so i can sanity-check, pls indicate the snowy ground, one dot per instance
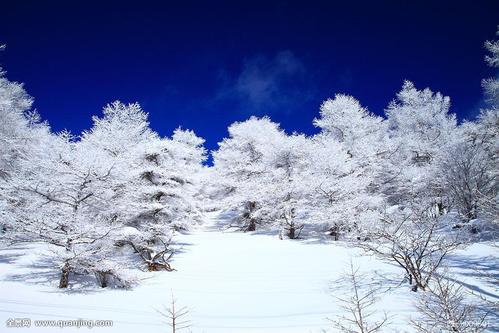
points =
(231, 282)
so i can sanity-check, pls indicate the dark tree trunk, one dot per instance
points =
(63, 282)
(292, 232)
(417, 284)
(470, 209)
(252, 225)
(250, 208)
(101, 279)
(334, 231)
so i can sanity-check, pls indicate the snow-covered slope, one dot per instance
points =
(230, 281)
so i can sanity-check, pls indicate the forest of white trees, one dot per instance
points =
(408, 186)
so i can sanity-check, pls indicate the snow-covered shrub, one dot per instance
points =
(412, 238)
(444, 308)
(359, 305)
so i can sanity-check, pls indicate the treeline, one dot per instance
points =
(361, 168)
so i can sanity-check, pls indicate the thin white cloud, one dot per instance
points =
(267, 84)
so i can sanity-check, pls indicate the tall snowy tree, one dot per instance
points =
(470, 169)
(491, 85)
(20, 127)
(241, 166)
(286, 194)
(21, 132)
(160, 195)
(345, 161)
(421, 130)
(62, 199)
(153, 183)
(360, 132)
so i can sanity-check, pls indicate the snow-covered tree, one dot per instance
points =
(241, 166)
(20, 126)
(49, 190)
(20, 133)
(286, 193)
(361, 133)
(469, 169)
(114, 142)
(153, 183)
(160, 196)
(421, 130)
(491, 85)
(260, 170)
(62, 199)
(345, 159)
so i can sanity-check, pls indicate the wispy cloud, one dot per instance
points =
(268, 84)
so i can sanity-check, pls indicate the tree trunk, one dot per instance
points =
(252, 225)
(250, 208)
(334, 231)
(101, 279)
(63, 282)
(292, 232)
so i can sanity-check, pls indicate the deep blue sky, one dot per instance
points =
(206, 64)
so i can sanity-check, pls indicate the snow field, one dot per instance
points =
(230, 281)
